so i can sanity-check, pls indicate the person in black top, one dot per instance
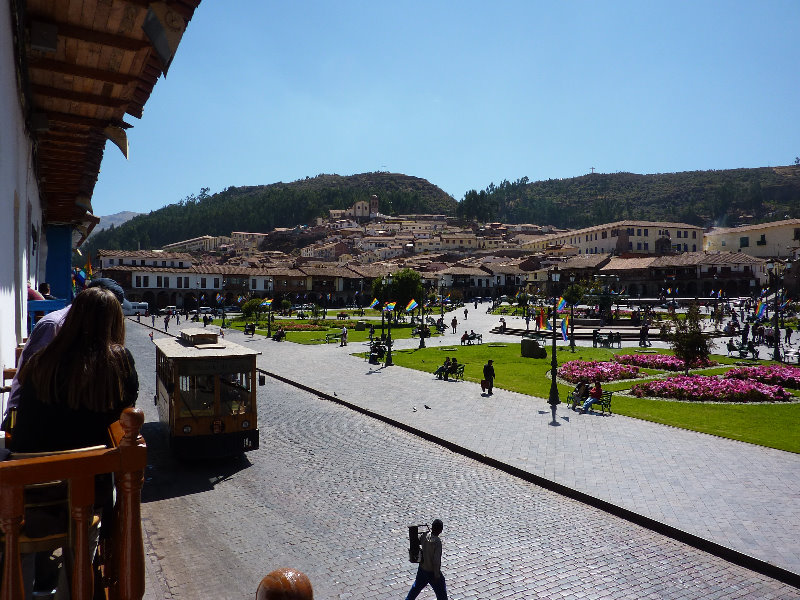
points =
(73, 389)
(488, 376)
(76, 386)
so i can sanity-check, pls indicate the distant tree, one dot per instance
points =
(797, 160)
(688, 341)
(405, 285)
(574, 294)
(251, 307)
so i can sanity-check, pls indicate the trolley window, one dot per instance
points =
(197, 395)
(235, 395)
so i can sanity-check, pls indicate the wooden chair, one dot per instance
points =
(122, 559)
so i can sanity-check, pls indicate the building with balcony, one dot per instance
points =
(778, 239)
(626, 237)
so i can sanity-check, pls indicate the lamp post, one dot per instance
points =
(223, 303)
(388, 362)
(553, 400)
(422, 320)
(269, 308)
(441, 296)
(774, 285)
(572, 318)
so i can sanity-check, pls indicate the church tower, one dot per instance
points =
(373, 205)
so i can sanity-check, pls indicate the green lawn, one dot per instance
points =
(772, 425)
(400, 331)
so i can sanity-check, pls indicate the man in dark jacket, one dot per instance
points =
(488, 376)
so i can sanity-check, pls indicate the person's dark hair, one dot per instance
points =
(44, 288)
(437, 526)
(86, 363)
(110, 285)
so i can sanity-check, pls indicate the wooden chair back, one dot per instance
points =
(123, 559)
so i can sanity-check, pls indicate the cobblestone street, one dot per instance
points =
(331, 492)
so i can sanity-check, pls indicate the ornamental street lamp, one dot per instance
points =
(223, 303)
(774, 286)
(441, 296)
(388, 363)
(269, 308)
(572, 318)
(553, 400)
(422, 320)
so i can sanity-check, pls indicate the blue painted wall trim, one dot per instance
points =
(58, 270)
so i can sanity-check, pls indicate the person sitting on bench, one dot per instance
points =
(441, 372)
(279, 335)
(464, 338)
(453, 368)
(595, 394)
(579, 394)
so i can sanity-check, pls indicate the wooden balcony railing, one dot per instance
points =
(123, 556)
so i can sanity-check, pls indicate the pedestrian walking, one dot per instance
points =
(343, 341)
(429, 571)
(153, 317)
(466, 310)
(454, 324)
(488, 376)
(789, 332)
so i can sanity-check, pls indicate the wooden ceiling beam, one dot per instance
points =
(48, 64)
(62, 94)
(78, 120)
(67, 144)
(94, 37)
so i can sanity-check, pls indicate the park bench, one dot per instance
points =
(459, 373)
(605, 402)
(342, 316)
(475, 339)
(332, 337)
(122, 556)
(250, 329)
(301, 315)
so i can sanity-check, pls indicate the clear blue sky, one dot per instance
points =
(462, 93)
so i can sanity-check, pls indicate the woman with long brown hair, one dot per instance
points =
(76, 386)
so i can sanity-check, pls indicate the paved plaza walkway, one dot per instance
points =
(737, 495)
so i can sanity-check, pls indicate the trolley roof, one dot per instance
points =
(201, 343)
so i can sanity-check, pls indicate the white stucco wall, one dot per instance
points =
(17, 186)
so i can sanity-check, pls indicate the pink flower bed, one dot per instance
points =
(705, 388)
(664, 362)
(770, 374)
(590, 371)
(302, 327)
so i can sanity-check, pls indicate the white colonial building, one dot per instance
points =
(779, 239)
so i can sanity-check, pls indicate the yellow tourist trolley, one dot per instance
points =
(206, 394)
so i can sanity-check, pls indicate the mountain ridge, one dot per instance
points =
(715, 197)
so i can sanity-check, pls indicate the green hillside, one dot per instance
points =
(728, 198)
(262, 208)
(705, 198)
